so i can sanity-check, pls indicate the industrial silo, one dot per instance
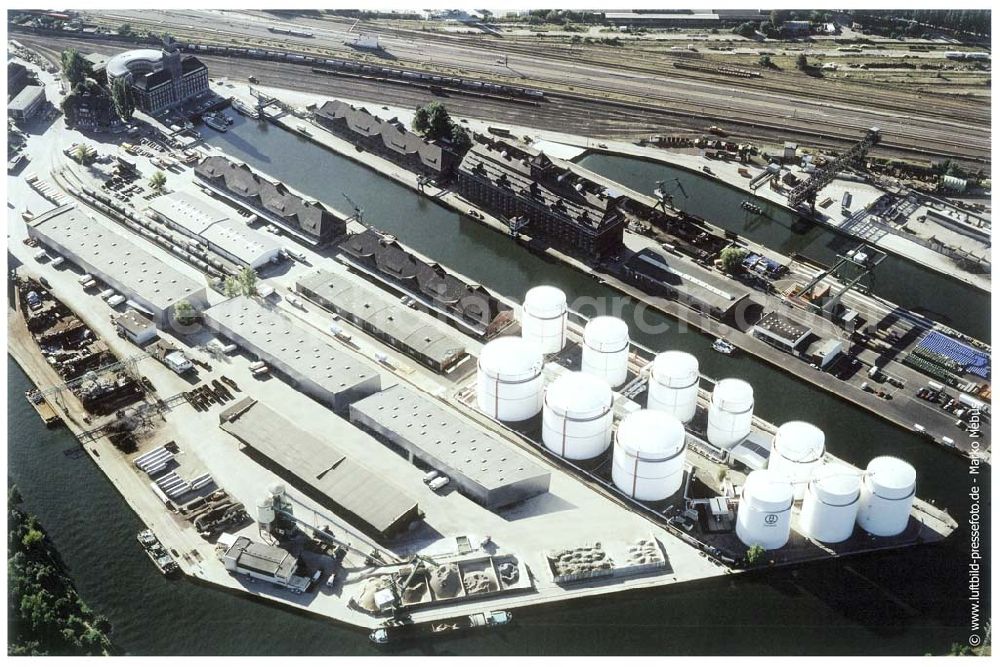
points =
(649, 455)
(543, 318)
(605, 349)
(830, 504)
(509, 379)
(265, 510)
(765, 513)
(673, 384)
(730, 413)
(797, 449)
(887, 490)
(577, 415)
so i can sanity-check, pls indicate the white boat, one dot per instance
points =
(724, 346)
(214, 122)
(242, 107)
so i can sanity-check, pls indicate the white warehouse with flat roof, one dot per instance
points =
(317, 367)
(486, 468)
(204, 220)
(113, 258)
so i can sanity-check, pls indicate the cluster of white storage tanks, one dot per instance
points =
(648, 461)
(835, 499)
(577, 416)
(730, 414)
(673, 385)
(650, 445)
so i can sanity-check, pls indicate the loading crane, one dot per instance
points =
(127, 364)
(855, 270)
(822, 177)
(664, 198)
(358, 211)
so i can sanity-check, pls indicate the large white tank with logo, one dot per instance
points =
(830, 505)
(730, 413)
(649, 455)
(577, 416)
(543, 318)
(887, 490)
(605, 349)
(797, 449)
(765, 513)
(673, 384)
(509, 379)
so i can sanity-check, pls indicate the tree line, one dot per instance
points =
(45, 614)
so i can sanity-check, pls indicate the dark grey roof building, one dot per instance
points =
(324, 471)
(307, 219)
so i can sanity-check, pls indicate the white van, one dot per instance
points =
(107, 294)
(116, 300)
(430, 476)
(439, 483)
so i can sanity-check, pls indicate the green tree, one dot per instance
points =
(732, 259)
(420, 123)
(765, 61)
(247, 279)
(460, 139)
(74, 67)
(125, 29)
(158, 181)
(802, 62)
(231, 287)
(184, 312)
(121, 97)
(745, 30)
(755, 554)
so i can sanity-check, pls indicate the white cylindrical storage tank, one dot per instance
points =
(673, 384)
(649, 455)
(509, 379)
(830, 505)
(265, 510)
(796, 450)
(887, 491)
(605, 349)
(543, 318)
(577, 416)
(730, 413)
(276, 489)
(765, 513)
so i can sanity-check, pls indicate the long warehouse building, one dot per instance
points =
(487, 469)
(215, 228)
(322, 470)
(385, 318)
(314, 364)
(112, 258)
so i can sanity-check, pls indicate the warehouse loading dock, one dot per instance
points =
(320, 469)
(486, 468)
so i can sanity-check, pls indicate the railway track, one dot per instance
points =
(603, 118)
(944, 111)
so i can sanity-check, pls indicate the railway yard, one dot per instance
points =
(305, 407)
(631, 92)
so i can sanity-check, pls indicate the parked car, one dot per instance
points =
(439, 483)
(429, 477)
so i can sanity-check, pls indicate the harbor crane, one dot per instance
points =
(127, 364)
(807, 190)
(358, 211)
(854, 269)
(664, 197)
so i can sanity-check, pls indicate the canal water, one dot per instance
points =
(898, 280)
(909, 602)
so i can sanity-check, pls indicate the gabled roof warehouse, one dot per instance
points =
(328, 475)
(115, 260)
(486, 468)
(314, 363)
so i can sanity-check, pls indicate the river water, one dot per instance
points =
(909, 602)
(962, 306)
